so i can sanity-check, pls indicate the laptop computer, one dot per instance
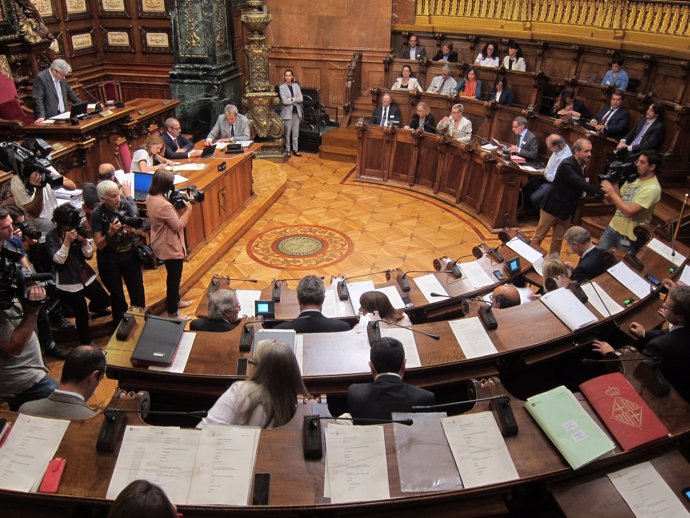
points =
(142, 183)
(208, 151)
(78, 110)
(158, 342)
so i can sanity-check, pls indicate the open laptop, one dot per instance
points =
(208, 151)
(142, 183)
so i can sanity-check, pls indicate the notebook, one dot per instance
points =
(158, 342)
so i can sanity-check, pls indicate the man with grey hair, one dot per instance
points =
(443, 84)
(232, 126)
(526, 145)
(51, 91)
(223, 312)
(559, 150)
(176, 144)
(310, 295)
(106, 171)
(592, 259)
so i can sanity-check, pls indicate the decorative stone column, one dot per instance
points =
(205, 76)
(260, 96)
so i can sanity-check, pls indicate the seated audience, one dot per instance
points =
(471, 86)
(559, 150)
(488, 57)
(149, 157)
(648, 133)
(568, 108)
(455, 125)
(407, 81)
(423, 118)
(526, 144)
(514, 60)
(505, 296)
(592, 261)
(231, 126)
(670, 347)
(387, 393)
(143, 500)
(379, 306)
(310, 296)
(412, 50)
(443, 84)
(176, 144)
(616, 76)
(446, 54)
(82, 371)
(387, 114)
(223, 312)
(501, 93)
(268, 398)
(612, 120)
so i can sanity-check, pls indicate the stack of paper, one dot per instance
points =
(521, 248)
(666, 251)
(628, 278)
(566, 306)
(472, 337)
(429, 284)
(476, 275)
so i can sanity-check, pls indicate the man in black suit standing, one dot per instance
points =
(592, 261)
(561, 201)
(413, 51)
(310, 295)
(176, 144)
(647, 134)
(387, 393)
(526, 144)
(612, 120)
(51, 91)
(671, 347)
(387, 114)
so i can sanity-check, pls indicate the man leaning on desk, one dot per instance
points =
(176, 144)
(51, 91)
(232, 126)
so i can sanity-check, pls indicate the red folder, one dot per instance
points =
(626, 415)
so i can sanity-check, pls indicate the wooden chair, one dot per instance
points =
(110, 91)
(123, 154)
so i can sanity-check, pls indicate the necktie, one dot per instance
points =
(607, 116)
(644, 129)
(440, 90)
(61, 102)
(519, 141)
(384, 117)
(177, 144)
(232, 130)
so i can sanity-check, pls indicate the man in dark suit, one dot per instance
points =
(51, 91)
(223, 312)
(526, 144)
(176, 144)
(592, 261)
(310, 295)
(612, 120)
(387, 114)
(387, 393)
(561, 201)
(671, 347)
(413, 51)
(648, 133)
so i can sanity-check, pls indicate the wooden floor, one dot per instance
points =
(388, 228)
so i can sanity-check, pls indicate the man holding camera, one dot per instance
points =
(116, 229)
(635, 203)
(23, 375)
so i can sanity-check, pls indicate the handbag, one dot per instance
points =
(147, 257)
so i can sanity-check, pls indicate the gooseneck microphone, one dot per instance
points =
(341, 287)
(276, 288)
(216, 277)
(402, 281)
(485, 313)
(374, 330)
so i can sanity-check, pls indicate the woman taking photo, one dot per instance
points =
(268, 398)
(167, 236)
(149, 158)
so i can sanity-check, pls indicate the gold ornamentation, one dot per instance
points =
(220, 24)
(192, 38)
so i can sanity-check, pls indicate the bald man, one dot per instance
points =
(505, 296)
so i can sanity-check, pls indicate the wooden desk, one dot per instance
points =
(147, 116)
(296, 485)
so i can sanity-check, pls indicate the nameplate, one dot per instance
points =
(106, 113)
(142, 112)
(57, 146)
(166, 102)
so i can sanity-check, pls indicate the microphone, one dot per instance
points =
(374, 330)
(341, 287)
(311, 431)
(482, 249)
(434, 294)
(99, 104)
(277, 289)
(246, 338)
(402, 281)
(216, 277)
(485, 314)
(499, 405)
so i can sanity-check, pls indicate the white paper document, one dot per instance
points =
(666, 252)
(406, 337)
(184, 349)
(525, 251)
(392, 293)
(685, 275)
(334, 307)
(628, 278)
(488, 147)
(356, 463)
(246, 298)
(178, 179)
(476, 275)
(189, 167)
(646, 493)
(538, 266)
(601, 300)
(429, 284)
(355, 291)
(29, 448)
(479, 449)
(566, 306)
(472, 337)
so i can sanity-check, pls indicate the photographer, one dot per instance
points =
(634, 202)
(116, 229)
(167, 236)
(69, 248)
(22, 371)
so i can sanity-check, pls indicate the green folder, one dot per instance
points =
(579, 439)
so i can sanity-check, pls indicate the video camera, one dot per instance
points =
(23, 162)
(619, 171)
(189, 193)
(28, 230)
(15, 279)
(125, 219)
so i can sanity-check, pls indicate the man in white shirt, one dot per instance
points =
(559, 151)
(443, 84)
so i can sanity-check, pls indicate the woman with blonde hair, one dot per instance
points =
(555, 269)
(380, 307)
(268, 398)
(149, 157)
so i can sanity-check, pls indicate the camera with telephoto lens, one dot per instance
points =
(190, 194)
(75, 223)
(620, 171)
(16, 279)
(24, 163)
(28, 231)
(125, 219)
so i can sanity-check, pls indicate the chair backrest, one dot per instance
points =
(8, 90)
(123, 155)
(110, 91)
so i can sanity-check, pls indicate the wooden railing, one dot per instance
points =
(353, 86)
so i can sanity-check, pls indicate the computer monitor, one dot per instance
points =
(142, 183)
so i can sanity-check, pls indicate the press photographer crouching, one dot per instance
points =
(117, 231)
(69, 246)
(23, 375)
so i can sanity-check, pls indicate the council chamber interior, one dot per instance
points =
(373, 205)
